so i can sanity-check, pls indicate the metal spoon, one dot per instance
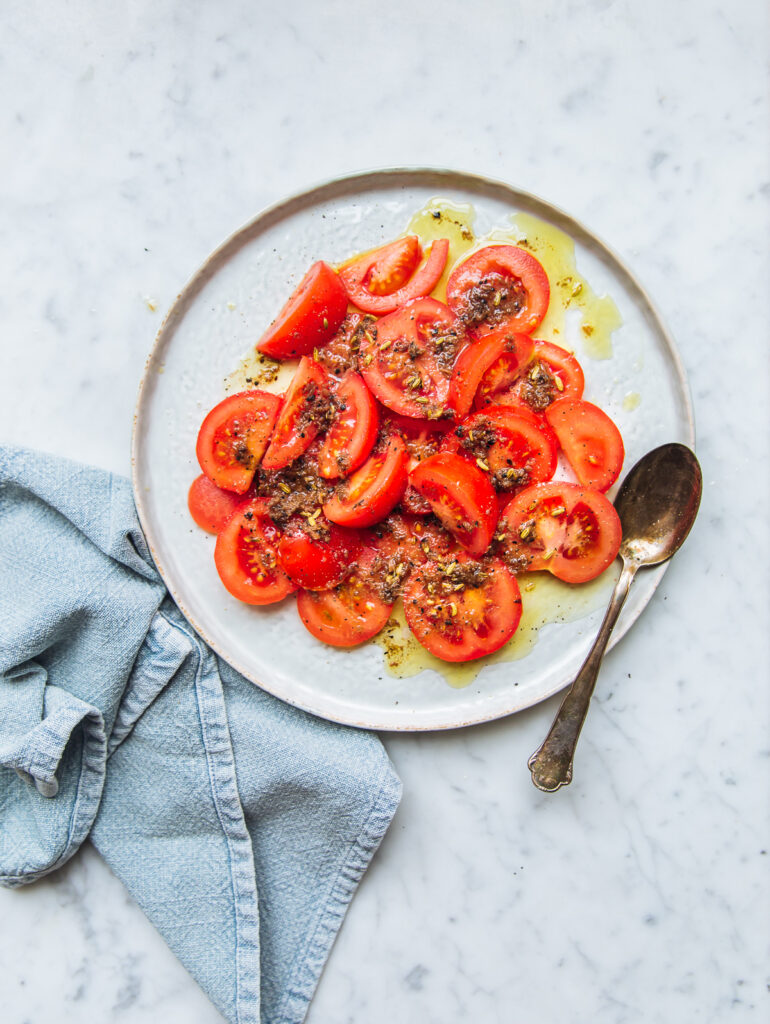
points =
(657, 505)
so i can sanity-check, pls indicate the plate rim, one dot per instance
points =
(320, 192)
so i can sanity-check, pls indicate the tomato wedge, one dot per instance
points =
(351, 613)
(553, 373)
(571, 531)
(234, 436)
(512, 450)
(381, 281)
(476, 617)
(352, 434)
(317, 560)
(373, 490)
(408, 362)
(246, 557)
(310, 317)
(499, 286)
(487, 366)
(591, 441)
(462, 498)
(306, 408)
(209, 505)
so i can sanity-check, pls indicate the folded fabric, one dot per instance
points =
(240, 825)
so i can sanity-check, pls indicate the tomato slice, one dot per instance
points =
(408, 362)
(571, 531)
(512, 450)
(499, 286)
(351, 436)
(317, 555)
(475, 617)
(246, 557)
(307, 406)
(209, 505)
(381, 281)
(591, 441)
(341, 353)
(487, 366)
(462, 498)
(373, 490)
(422, 438)
(351, 613)
(311, 316)
(234, 436)
(553, 373)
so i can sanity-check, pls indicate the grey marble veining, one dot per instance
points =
(134, 139)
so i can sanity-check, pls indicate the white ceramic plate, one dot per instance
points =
(218, 317)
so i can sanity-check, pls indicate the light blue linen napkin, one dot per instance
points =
(240, 825)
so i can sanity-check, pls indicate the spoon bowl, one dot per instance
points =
(657, 505)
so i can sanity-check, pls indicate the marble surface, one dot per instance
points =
(134, 138)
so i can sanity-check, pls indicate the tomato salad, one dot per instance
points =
(412, 455)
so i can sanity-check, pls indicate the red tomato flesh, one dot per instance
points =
(499, 286)
(234, 436)
(552, 374)
(305, 407)
(381, 281)
(571, 531)
(462, 624)
(488, 366)
(310, 317)
(350, 613)
(209, 505)
(351, 436)
(408, 362)
(591, 441)
(373, 490)
(317, 562)
(246, 557)
(462, 498)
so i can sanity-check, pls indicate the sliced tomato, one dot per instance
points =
(373, 490)
(462, 498)
(408, 364)
(499, 286)
(311, 316)
(209, 505)
(422, 438)
(384, 279)
(590, 440)
(246, 557)
(341, 353)
(317, 560)
(353, 432)
(350, 613)
(306, 408)
(487, 366)
(466, 622)
(571, 531)
(512, 450)
(553, 373)
(234, 436)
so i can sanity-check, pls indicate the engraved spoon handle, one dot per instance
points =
(551, 764)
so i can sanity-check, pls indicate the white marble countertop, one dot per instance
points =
(135, 137)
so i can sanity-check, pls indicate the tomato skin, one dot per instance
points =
(233, 438)
(475, 286)
(462, 498)
(415, 385)
(373, 490)
(317, 564)
(569, 530)
(311, 316)
(351, 437)
(349, 614)
(590, 440)
(291, 437)
(520, 454)
(210, 506)
(382, 266)
(487, 366)
(246, 549)
(468, 624)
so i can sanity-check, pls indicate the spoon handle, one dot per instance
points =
(551, 764)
